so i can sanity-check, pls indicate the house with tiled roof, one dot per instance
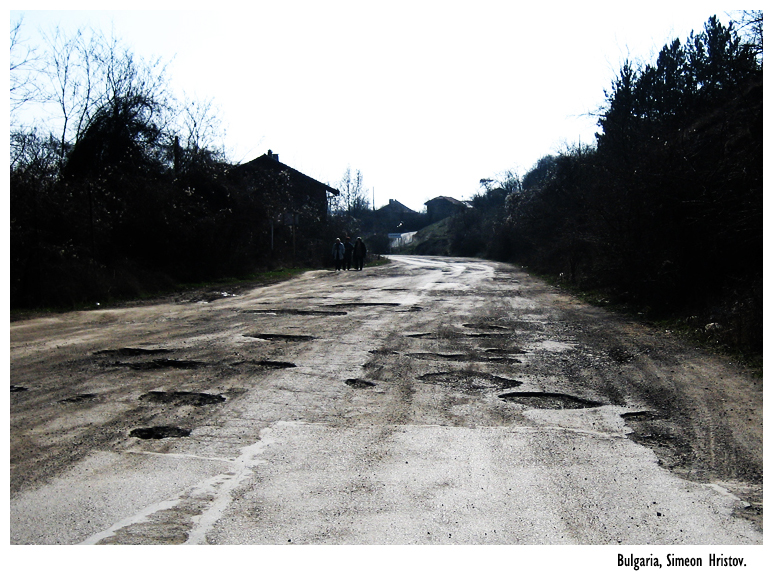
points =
(293, 192)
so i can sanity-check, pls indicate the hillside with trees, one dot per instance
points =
(664, 214)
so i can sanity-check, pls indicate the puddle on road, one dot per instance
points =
(544, 400)
(159, 432)
(279, 337)
(182, 398)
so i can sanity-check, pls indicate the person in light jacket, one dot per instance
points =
(338, 254)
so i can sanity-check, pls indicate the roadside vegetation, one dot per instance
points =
(664, 215)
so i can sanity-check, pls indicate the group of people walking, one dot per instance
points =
(346, 254)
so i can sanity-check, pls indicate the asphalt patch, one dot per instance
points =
(544, 400)
(182, 398)
(159, 432)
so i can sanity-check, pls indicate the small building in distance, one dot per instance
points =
(396, 217)
(442, 207)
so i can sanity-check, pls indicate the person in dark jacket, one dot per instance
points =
(338, 253)
(348, 250)
(359, 253)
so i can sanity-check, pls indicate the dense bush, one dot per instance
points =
(665, 213)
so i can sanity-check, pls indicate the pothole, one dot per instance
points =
(470, 380)
(544, 400)
(159, 432)
(267, 364)
(360, 383)
(279, 337)
(485, 326)
(130, 352)
(80, 398)
(165, 364)
(17, 388)
(482, 335)
(639, 416)
(302, 312)
(505, 360)
(364, 304)
(426, 335)
(182, 398)
(502, 350)
(620, 355)
(430, 355)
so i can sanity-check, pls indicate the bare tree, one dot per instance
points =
(751, 25)
(200, 125)
(353, 197)
(86, 72)
(24, 67)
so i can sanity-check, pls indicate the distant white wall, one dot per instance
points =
(398, 240)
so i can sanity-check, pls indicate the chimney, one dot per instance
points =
(273, 156)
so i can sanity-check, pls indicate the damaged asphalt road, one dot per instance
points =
(427, 401)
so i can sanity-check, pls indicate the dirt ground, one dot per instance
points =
(183, 420)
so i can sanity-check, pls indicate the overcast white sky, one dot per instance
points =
(425, 98)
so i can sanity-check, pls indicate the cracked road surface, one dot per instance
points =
(426, 401)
